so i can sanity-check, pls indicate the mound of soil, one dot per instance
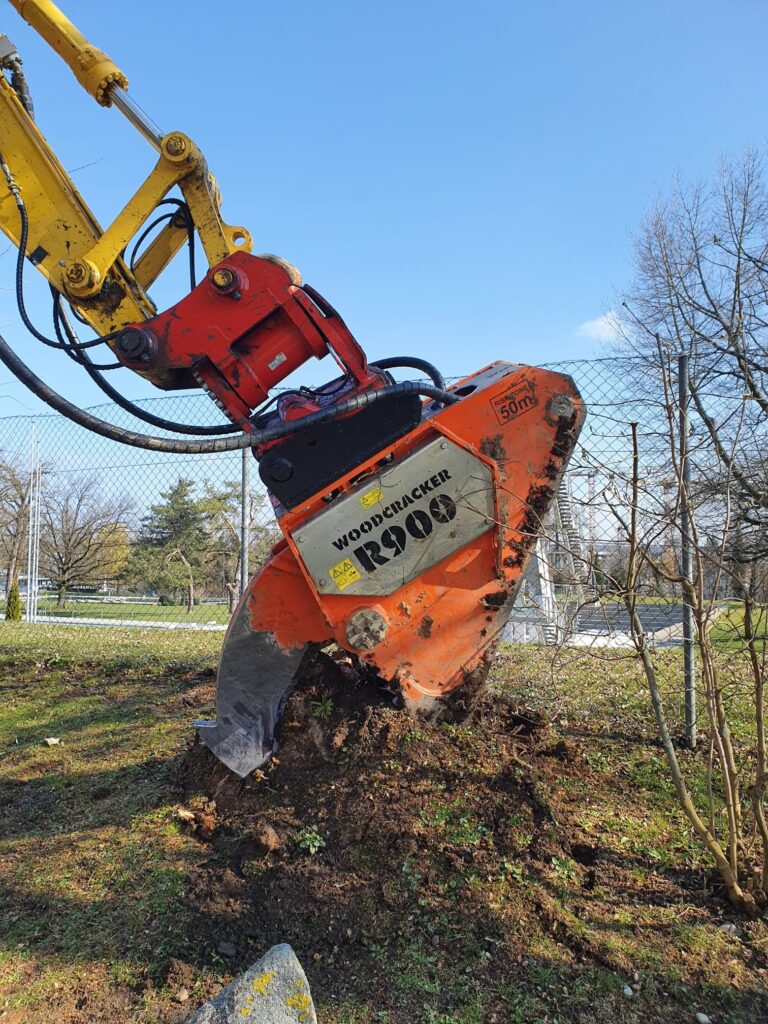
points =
(371, 832)
(430, 873)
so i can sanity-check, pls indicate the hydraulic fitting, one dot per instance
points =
(136, 345)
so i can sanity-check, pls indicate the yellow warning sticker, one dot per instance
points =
(343, 574)
(371, 497)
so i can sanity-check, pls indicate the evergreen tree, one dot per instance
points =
(13, 604)
(177, 521)
(172, 547)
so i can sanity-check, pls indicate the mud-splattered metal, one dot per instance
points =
(518, 425)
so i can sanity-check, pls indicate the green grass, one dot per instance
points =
(96, 872)
(94, 867)
(727, 631)
(45, 646)
(130, 612)
(606, 689)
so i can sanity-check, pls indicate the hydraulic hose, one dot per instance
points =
(20, 256)
(413, 363)
(228, 444)
(136, 410)
(150, 418)
(77, 350)
(71, 346)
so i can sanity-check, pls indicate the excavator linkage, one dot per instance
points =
(411, 561)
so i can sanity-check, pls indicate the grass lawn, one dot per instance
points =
(131, 612)
(508, 877)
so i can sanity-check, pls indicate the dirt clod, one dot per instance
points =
(267, 838)
(200, 815)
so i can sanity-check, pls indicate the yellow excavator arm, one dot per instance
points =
(81, 260)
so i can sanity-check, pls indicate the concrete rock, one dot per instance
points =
(274, 990)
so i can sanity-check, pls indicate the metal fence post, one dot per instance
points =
(30, 528)
(33, 531)
(685, 536)
(36, 538)
(245, 531)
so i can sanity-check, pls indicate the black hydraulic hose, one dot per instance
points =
(71, 346)
(183, 209)
(76, 350)
(228, 444)
(23, 237)
(136, 410)
(413, 363)
(150, 418)
(148, 230)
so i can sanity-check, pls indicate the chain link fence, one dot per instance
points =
(127, 536)
(99, 533)
(651, 456)
(570, 593)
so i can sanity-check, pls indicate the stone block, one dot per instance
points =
(274, 990)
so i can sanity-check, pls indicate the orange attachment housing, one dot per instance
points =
(411, 561)
(520, 423)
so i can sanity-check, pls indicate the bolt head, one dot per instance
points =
(562, 406)
(176, 145)
(223, 279)
(443, 444)
(136, 345)
(281, 470)
(76, 273)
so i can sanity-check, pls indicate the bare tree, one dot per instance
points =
(701, 287)
(83, 536)
(14, 519)
(728, 814)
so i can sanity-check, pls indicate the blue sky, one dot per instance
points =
(460, 180)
